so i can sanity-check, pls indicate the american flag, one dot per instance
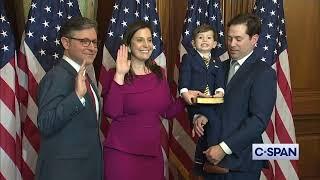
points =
(10, 125)
(199, 12)
(40, 49)
(125, 12)
(272, 46)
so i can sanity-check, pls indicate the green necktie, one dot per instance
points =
(232, 69)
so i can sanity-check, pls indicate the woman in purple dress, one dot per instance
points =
(136, 95)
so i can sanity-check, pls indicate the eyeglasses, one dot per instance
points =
(86, 42)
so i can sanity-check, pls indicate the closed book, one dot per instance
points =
(207, 100)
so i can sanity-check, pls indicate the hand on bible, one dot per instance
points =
(187, 96)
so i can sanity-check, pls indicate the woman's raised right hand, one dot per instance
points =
(122, 63)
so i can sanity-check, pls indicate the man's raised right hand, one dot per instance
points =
(80, 81)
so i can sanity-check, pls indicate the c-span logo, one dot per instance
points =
(275, 151)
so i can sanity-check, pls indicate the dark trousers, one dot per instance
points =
(213, 127)
(199, 157)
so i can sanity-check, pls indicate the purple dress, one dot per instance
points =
(132, 149)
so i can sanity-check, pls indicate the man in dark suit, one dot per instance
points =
(248, 103)
(69, 111)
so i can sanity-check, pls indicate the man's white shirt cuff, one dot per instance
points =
(225, 148)
(219, 90)
(183, 90)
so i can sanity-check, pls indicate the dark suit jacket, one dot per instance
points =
(194, 75)
(70, 146)
(248, 103)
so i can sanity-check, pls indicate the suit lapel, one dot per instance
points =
(63, 63)
(227, 67)
(198, 60)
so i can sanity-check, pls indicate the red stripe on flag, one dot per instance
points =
(295, 165)
(268, 172)
(180, 152)
(22, 63)
(8, 144)
(8, 97)
(32, 86)
(281, 130)
(32, 133)
(2, 177)
(22, 95)
(284, 86)
(278, 172)
(27, 174)
(270, 131)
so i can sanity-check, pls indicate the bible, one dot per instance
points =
(207, 100)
